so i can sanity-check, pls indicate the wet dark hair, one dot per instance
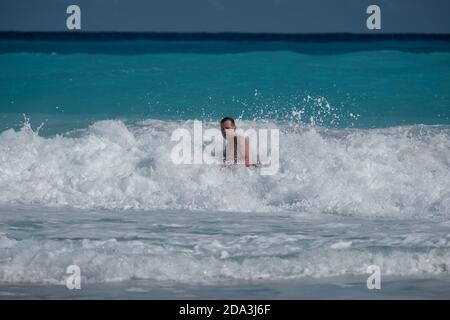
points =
(228, 119)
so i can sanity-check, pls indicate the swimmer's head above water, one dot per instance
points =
(227, 127)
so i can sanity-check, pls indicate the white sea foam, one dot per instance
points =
(398, 172)
(45, 261)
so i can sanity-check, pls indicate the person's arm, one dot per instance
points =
(244, 149)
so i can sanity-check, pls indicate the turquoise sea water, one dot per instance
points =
(86, 179)
(400, 84)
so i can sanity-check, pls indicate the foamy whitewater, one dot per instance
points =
(319, 216)
(393, 172)
(86, 177)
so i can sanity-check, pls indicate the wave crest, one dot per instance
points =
(398, 171)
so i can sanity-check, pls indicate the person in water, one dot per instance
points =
(235, 143)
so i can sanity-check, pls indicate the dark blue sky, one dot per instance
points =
(285, 16)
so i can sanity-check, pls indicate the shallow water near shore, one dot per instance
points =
(335, 288)
(176, 254)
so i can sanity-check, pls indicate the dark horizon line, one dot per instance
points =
(221, 36)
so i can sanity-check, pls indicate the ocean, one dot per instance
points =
(86, 176)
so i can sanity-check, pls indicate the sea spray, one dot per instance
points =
(398, 171)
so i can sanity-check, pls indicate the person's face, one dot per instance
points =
(227, 128)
